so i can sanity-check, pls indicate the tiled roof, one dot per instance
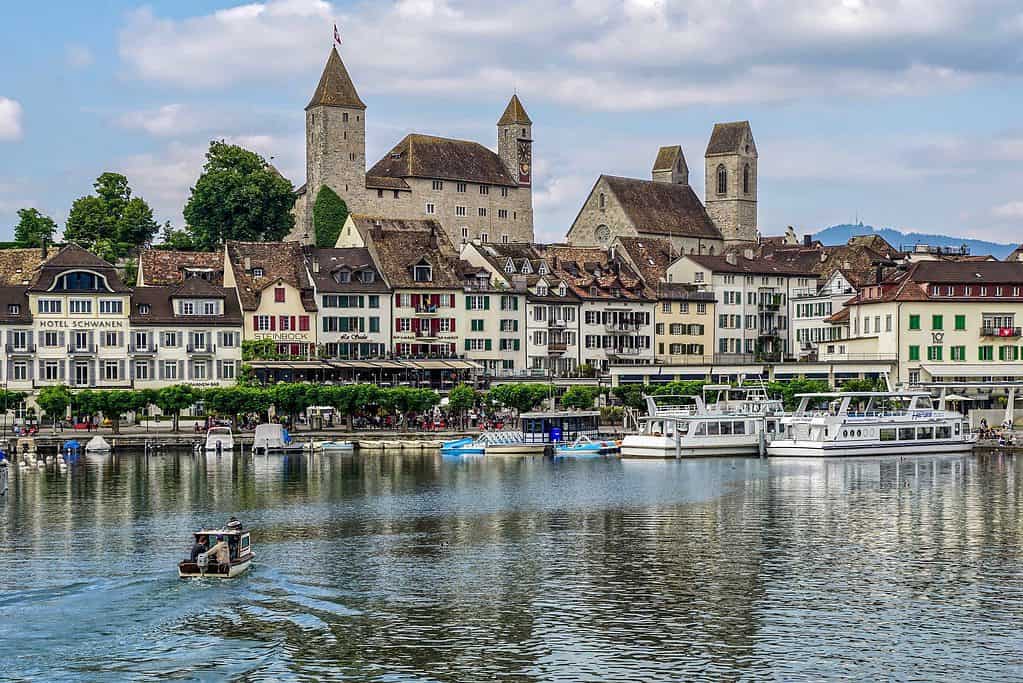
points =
(651, 256)
(353, 259)
(164, 267)
(667, 157)
(335, 88)
(375, 182)
(675, 291)
(161, 308)
(662, 208)
(726, 137)
(756, 266)
(514, 113)
(197, 287)
(586, 268)
(427, 156)
(19, 266)
(968, 272)
(72, 257)
(400, 244)
(280, 261)
(14, 296)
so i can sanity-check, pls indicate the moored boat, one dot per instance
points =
(97, 444)
(464, 446)
(219, 553)
(274, 438)
(219, 440)
(871, 423)
(585, 447)
(336, 446)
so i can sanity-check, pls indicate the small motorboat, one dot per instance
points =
(219, 440)
(463, 446)
(336, 446)
(274, 438)
(97, 444)
(219, 553)
(585, 447)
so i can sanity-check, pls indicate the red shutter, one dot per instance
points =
(415, 324)
(293, 325)
(452, 322)
(397, 299)
(415, 301)
(435, 300)
(255, 323)
(272, 325)
(303, 323)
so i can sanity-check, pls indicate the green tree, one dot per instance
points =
(862, 385)
(349, 399)
(54, 401)
(114, 404)
(175, 240)
(292, 398)
(800, 385)
(110, 221)
(238, 196)
(329, 215)
(173, 399)
(237, 400)
(631, 395)
(521, 397)
(581, 397)
(260, 349)
(460, 399)
(33, 228)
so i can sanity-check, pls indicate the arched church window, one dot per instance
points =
(603, 200)
(722, 179)
(745, 179)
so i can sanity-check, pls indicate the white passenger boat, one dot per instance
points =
(725, 420)
(871, 423)
(219, 439)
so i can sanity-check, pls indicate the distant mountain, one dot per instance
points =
(840, 234)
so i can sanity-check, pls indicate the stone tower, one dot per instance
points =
(515, 147)
(335, 140)
(731, 182)
(670, 166)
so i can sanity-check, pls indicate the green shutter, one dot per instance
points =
(960, 322)
(467, 300)
(486, 303)
(466, 344)
(515, 303)
(914, 353)
(486, 344)
(516, 345)
(937, 322)
(914, 322)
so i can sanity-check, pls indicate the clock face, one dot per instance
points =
(525, 161)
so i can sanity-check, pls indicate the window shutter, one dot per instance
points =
(273, 323)
(120, 339)
(362, 324)
(220, 369)
(466, 344)
(486, 344)
(516, 344)
(120, 370)
(60, 339)
(181, 370)
(293, 326)
(397, 300)
(468, 299)
(415, 324)
(452, 322)
(415, 301)
(486, 303)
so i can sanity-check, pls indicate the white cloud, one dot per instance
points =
(600, 54)
(78, 56)
(1009, 210)
(10, 119)
(168, 120)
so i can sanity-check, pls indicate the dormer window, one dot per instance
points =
(143, 309)
(542, 268)
(187, 308)
(344, 276)
(509, 266)
(422, 272)
(615, 292)
(257, 272)
(13, 309)
(541, 290)
(368, 276)
(594, 291)
(78, 281)
(561, 290)
(526, 268)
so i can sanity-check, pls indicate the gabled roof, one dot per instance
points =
(675, 291)
(335, 88)
(586, 268)
(280, 262)
(720, 264)
(198, 288)
(726, 138)
(160, 298)
(662, 208)
(667, 157)
(332, 260)
(164, 267)
(428, 156)
(72, 257)
(400, 244)
(650, 255)
(514, 113)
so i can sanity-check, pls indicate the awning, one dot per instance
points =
(975, 370)
(738, 370)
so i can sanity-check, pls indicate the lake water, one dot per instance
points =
(422, 568)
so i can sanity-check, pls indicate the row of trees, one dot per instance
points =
(238, 196)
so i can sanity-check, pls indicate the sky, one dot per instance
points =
(901, 113)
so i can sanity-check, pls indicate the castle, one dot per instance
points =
(472, 192)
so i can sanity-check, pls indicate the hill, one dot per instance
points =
(840, 234)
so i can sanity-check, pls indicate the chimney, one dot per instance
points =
(806, 240)
(879, 273)
(730, 258)
(43, 251)
(247, 264)
(316, 265)
(518, 283)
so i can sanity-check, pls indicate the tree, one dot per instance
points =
(238, 196)
(33, 228)
(520, 397)
(292, 398)
(114, 404)
(175, 240)
(461, 399)
(173, 399)
(233, 401)
(800, 385)
(54, 401)
(111, 222)
(580, 397)
(329, 215)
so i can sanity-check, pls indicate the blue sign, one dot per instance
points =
(555, 433)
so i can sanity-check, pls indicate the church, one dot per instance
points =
(473, 192)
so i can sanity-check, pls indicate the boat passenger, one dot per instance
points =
(199, 547)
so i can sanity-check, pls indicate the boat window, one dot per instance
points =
(713, 429)
(726, 428)
(859, 433)
(957, 429)
(906, 434)
(739, 428)
(781, 428)
(845, 433)
(700, 429)
(245, 541)
(888, 434)
(925, 433)
(943, 432)
(770, 426)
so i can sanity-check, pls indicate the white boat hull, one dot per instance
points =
(640, 446)
(817, 449)
(516, 449)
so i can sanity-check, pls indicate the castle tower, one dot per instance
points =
(515, 148)
(335, 139)
(731, 181)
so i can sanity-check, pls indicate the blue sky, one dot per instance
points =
(904, 112)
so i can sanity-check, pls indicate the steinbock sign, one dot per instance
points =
(284, 336)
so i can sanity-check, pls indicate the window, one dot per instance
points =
(438, 184)
(460, 187)
(80, 306)
(701, 308)
(504, 238)
(49, 305)
(958, 353)
(257, 272)
(171, 339)
(380, 194)
(465, 234)
(482, 211)
(914, 322)
(374, 301)
(51, 370)
(143, 309)
(279, 295)
(476, 325)
(1008, 353)
(110, 339)
(960, 322)
(227, 370)
(460, 211)
(51, 339)
(502, 213)
(603, 200)
(914, 353)
(187, 308)
(111, 306)
(199, 371)
(937, 322)
(484, 189)
(484, 237)
(396, 195)
(698, 276)
(110, 370)
(933, 353)
(430, 208)
(985, 353)
(887, 433)
(142, 370)
(19, 370)
(262, 323)
(423, 273)
(209, 308)
(888, 323)
(374, 324)
(722, 179)
(745, 179)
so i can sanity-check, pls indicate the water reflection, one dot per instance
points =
(417, 567)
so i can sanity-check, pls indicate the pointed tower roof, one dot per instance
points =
(514, 113)
(335, 88)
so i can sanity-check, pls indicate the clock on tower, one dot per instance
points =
(525, 162)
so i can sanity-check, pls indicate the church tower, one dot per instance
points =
(731, 182)
(335, 140)
(515, 148)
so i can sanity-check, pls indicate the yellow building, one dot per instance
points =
(683, 325)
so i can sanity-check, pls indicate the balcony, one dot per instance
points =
(771, 303)
(622, 327)
(769, 332)
(1001, 332)
(559, 324)
(142, 349)
(81, 349)
(426, 310)
(202, 349)
(21, 348)
(625, 351)
(425, 334)
(556, 348)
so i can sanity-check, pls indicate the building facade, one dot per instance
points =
(354, 303)
(684, 321)
(813, 308)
